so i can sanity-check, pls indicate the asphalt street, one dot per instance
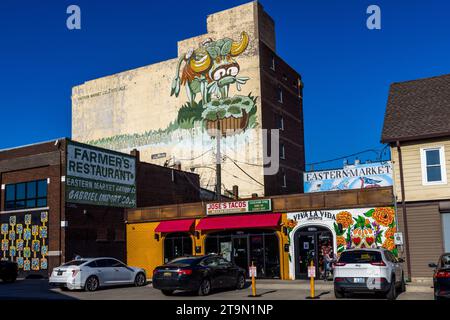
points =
(39, 289)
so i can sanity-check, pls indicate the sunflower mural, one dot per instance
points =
(290, 225)
(209, 72)
(375, 228)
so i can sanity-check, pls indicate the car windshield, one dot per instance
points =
(445, 261)
(74, 263)
(360, 256)
(189, 261)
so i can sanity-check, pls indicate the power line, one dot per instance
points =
(248, 175)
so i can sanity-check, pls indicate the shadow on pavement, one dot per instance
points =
(30, 289)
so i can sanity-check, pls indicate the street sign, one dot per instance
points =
(311, 272)
(252, 271)
(398, 239)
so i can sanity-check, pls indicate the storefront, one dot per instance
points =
(315, 233)
(273, 234)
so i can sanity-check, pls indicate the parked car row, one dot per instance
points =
(356, 271)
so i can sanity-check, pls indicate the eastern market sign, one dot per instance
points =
(100, 177)
(243, 206)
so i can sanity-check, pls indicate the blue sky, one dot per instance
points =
(346, 68)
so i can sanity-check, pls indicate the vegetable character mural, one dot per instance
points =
(210, 71)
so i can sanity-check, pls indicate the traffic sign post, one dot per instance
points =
(312, 275)
(252, 273)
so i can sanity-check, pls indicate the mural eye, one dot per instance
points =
(219, 73)
(232, 71)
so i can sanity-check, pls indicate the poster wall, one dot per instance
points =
(100, 177)
(368, 175)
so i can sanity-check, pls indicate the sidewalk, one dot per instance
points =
(327, 285)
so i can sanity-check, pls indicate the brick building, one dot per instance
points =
(232, 76)
(41, 227)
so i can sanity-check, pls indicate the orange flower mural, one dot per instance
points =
(390, 232)
(340, 240)
(389, 244)
(384, 216)
(345, 219)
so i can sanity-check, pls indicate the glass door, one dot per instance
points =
(240, 252)
(306, 251)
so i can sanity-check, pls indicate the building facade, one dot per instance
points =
(230, 79)
(60, 199)
(279, 234)
(417, 128)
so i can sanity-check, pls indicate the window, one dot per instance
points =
(280, 122)
(26, 195)
(283, 173)
(282, 151)
(433, 166)
(280, 94)
(285, 78)
(272, 65)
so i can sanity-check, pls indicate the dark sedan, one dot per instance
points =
(199, 274)
(8, 271)
(441, 277)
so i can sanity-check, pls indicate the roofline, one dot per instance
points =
(32, 144)
(413, 138)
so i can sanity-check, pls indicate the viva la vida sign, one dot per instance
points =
(100, 177)
(243, 206)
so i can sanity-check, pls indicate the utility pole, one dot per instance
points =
(218, 163)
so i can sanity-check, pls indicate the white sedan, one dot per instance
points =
(92, 273)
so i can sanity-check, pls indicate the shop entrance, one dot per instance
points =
(243, 247)
(177, 245)
(311, 243)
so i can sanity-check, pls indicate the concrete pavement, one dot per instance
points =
(267, 289)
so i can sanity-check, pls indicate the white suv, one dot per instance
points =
(368, 270)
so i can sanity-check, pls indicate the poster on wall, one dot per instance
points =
(361, 176)
(100, 177)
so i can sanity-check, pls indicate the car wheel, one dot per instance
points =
(91, 284)
(392, 293)
(205, 288)
(240, 282)
(338, 294)
(167, 292)
(140, 280)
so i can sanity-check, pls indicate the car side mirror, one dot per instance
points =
(432, 265)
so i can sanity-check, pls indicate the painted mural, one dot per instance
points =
(209, 71)
(361, 176)
(207, 74)
(24, 241)
(351, 228)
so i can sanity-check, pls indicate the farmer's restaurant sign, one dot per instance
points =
(99, 177)
(239, 206)
(361, 176)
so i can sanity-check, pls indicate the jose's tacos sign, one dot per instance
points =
(100, 177)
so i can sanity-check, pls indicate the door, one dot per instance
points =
(306, 251)
(257, 254)
(105, 272)
(240, 252)
(122, 274)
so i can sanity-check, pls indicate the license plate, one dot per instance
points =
(358, 280)
(167, 274)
